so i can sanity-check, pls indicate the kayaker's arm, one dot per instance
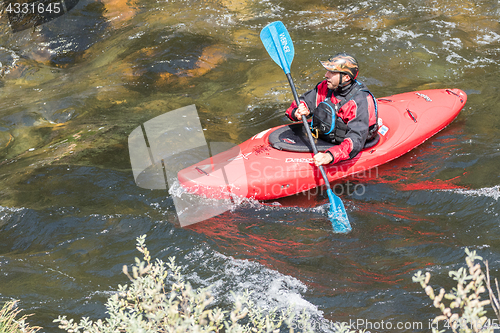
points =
(341, 152)
(309, 99)
(292, 114)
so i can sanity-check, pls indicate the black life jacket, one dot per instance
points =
(330, 126)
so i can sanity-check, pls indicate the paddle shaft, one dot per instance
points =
(279, 45)
(308, 131)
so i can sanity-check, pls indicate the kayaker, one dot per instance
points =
(355, 107)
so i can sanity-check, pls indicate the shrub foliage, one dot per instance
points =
(463, 308)
(9, 323)
(158, 299)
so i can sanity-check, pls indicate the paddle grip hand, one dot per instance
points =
(322, 158)
(302, 110)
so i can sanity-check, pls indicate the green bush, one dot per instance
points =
(158, 299)
(464, 312)
(9, 323)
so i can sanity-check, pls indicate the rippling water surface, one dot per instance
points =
(72, 90)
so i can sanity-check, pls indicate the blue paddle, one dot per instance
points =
(279, 45)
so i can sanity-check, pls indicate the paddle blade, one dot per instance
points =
(337, 214)
(278, 44)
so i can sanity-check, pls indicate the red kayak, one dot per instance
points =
(278, 162)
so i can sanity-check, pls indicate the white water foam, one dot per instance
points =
(6, 213)
(398, 34)
(492, 192)
(8, 60)
(489, 37)
(269, 288)
(236, 202)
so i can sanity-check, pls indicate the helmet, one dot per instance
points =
(342, 63)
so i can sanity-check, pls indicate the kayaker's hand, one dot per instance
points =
(301, 110)
(322, 158)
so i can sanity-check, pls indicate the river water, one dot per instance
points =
(73, 89)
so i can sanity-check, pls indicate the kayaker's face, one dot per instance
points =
(333, 79)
